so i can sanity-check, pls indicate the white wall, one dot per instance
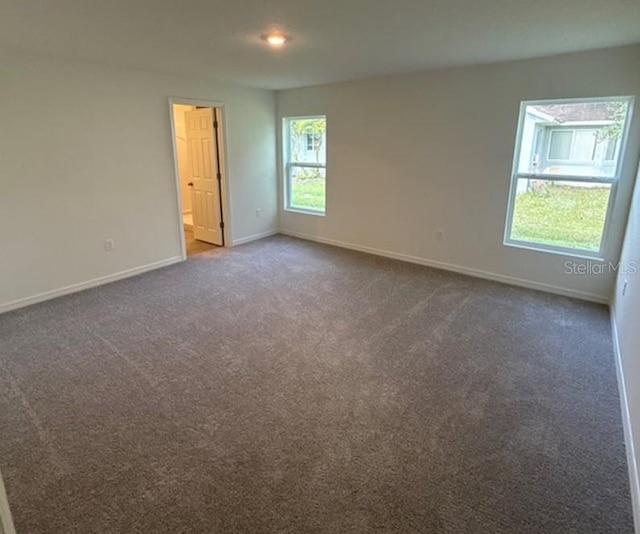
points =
(409, 154)
(626, 318)
(86, 154)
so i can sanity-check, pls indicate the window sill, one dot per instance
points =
(302, 211)
(580, 254)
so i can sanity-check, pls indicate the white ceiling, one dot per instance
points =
(333, 40)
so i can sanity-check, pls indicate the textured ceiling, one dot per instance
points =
(333, 40)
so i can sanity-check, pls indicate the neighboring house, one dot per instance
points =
(307, 147)
(568, 140)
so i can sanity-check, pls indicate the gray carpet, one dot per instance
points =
(285, 386)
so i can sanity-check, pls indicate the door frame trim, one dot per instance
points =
(6, 521)
(226, 189)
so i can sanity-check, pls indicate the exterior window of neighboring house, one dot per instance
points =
(305, 159)
(573, 145)
(565, 174)
(313, 140)
(612, 145)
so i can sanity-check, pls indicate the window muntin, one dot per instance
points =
(305, 164)
(566, 167)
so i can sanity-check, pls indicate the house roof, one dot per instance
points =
(579, 112)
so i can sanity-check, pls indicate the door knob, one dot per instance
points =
(190, 184)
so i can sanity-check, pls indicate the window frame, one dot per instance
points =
(613, 180)
(288, 166)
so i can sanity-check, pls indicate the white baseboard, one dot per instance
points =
(6, 521)
(591, 297)
(634, 476)
(41, 297)
(254, 237)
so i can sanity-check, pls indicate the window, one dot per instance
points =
(573, 145)
(612, 145)
(305, 164)
(560, 144)
(313, 140)
(566, 170)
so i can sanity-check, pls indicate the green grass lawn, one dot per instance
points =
(308, 194)
(561, 215)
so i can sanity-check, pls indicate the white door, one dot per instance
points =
(205, 196)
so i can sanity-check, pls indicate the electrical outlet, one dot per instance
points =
(109, 245)
(440, 234)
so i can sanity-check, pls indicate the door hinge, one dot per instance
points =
(215, 124)
(219, 176)
(222, 225)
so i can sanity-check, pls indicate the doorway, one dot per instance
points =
(200, 177)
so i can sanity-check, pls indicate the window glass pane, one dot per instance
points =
(308, 188)
(584, 145)
(572, 138)
(562, 214)
(612, 144)
(560, 145)
(307, 140)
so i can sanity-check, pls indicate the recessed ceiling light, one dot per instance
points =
(276, 40)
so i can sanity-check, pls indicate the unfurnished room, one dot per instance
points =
(275, 266)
